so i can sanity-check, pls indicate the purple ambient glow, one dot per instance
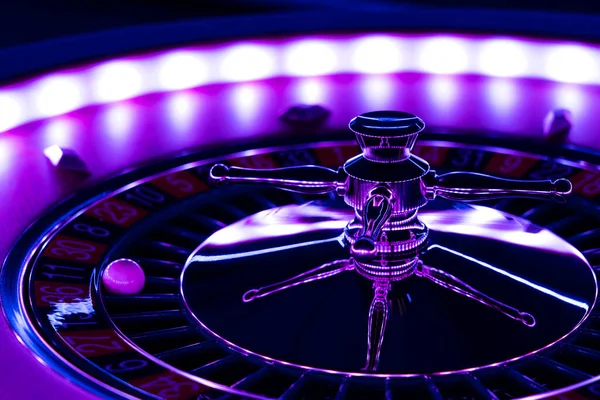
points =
(123, 276)
(176, 69)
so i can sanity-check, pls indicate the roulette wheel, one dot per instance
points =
(186, 214)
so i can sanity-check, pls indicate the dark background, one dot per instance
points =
(26, 21)
(38, 36)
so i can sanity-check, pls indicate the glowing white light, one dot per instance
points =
(182, 70)
(116, 81)
(7, 153)
(247, 62)
(503, 58)
(571, 97)
(443, 92)
(378, 90)
(54, 153)
(59, 131)
(245, 96)
(56, 95)
(573, 64)
(173, 70)
(309, 58)
(310, 91)
(12, 110)
(232, 237)
(62, 310)
(246, 101)
(118, 120)
(517, 278)
(182, 109)
(443, 56)
(501, 94)
(377, 54)
(203, 258)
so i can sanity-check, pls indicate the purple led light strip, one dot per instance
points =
(163, 71)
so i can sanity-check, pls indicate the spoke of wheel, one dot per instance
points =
(451, 282)
(321, 272)
(378, 315)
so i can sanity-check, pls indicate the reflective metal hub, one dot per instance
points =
(386, 186)
(429, 329)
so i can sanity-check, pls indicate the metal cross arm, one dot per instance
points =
(386, 186)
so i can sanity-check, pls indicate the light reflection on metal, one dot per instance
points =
(519, 279)
(321, 272)
(282, 221)
(451, 282)
(386, 186)
(82, 306)
(221, 257)
(305, 179)
(314, 215)
(66, 159)
(172, 368)
(377, 320)
(473, 220)
(493, 224)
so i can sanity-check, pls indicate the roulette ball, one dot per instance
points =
(376, 200)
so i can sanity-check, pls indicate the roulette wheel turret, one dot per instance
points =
(384, 238)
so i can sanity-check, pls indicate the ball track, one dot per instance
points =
(157, 322)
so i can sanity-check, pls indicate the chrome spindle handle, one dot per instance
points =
(451, 282)
(376, 212)
(470, 186)
(321, 272)
(305, 179)
(378, 316)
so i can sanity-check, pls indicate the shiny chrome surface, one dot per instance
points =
(308, 179)
(386, 137)
(503, 261)
(470, 186)
(376, 213)
(398, 184)
(386, 164)
(451, 282)
(321, 272)
(379, 314)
